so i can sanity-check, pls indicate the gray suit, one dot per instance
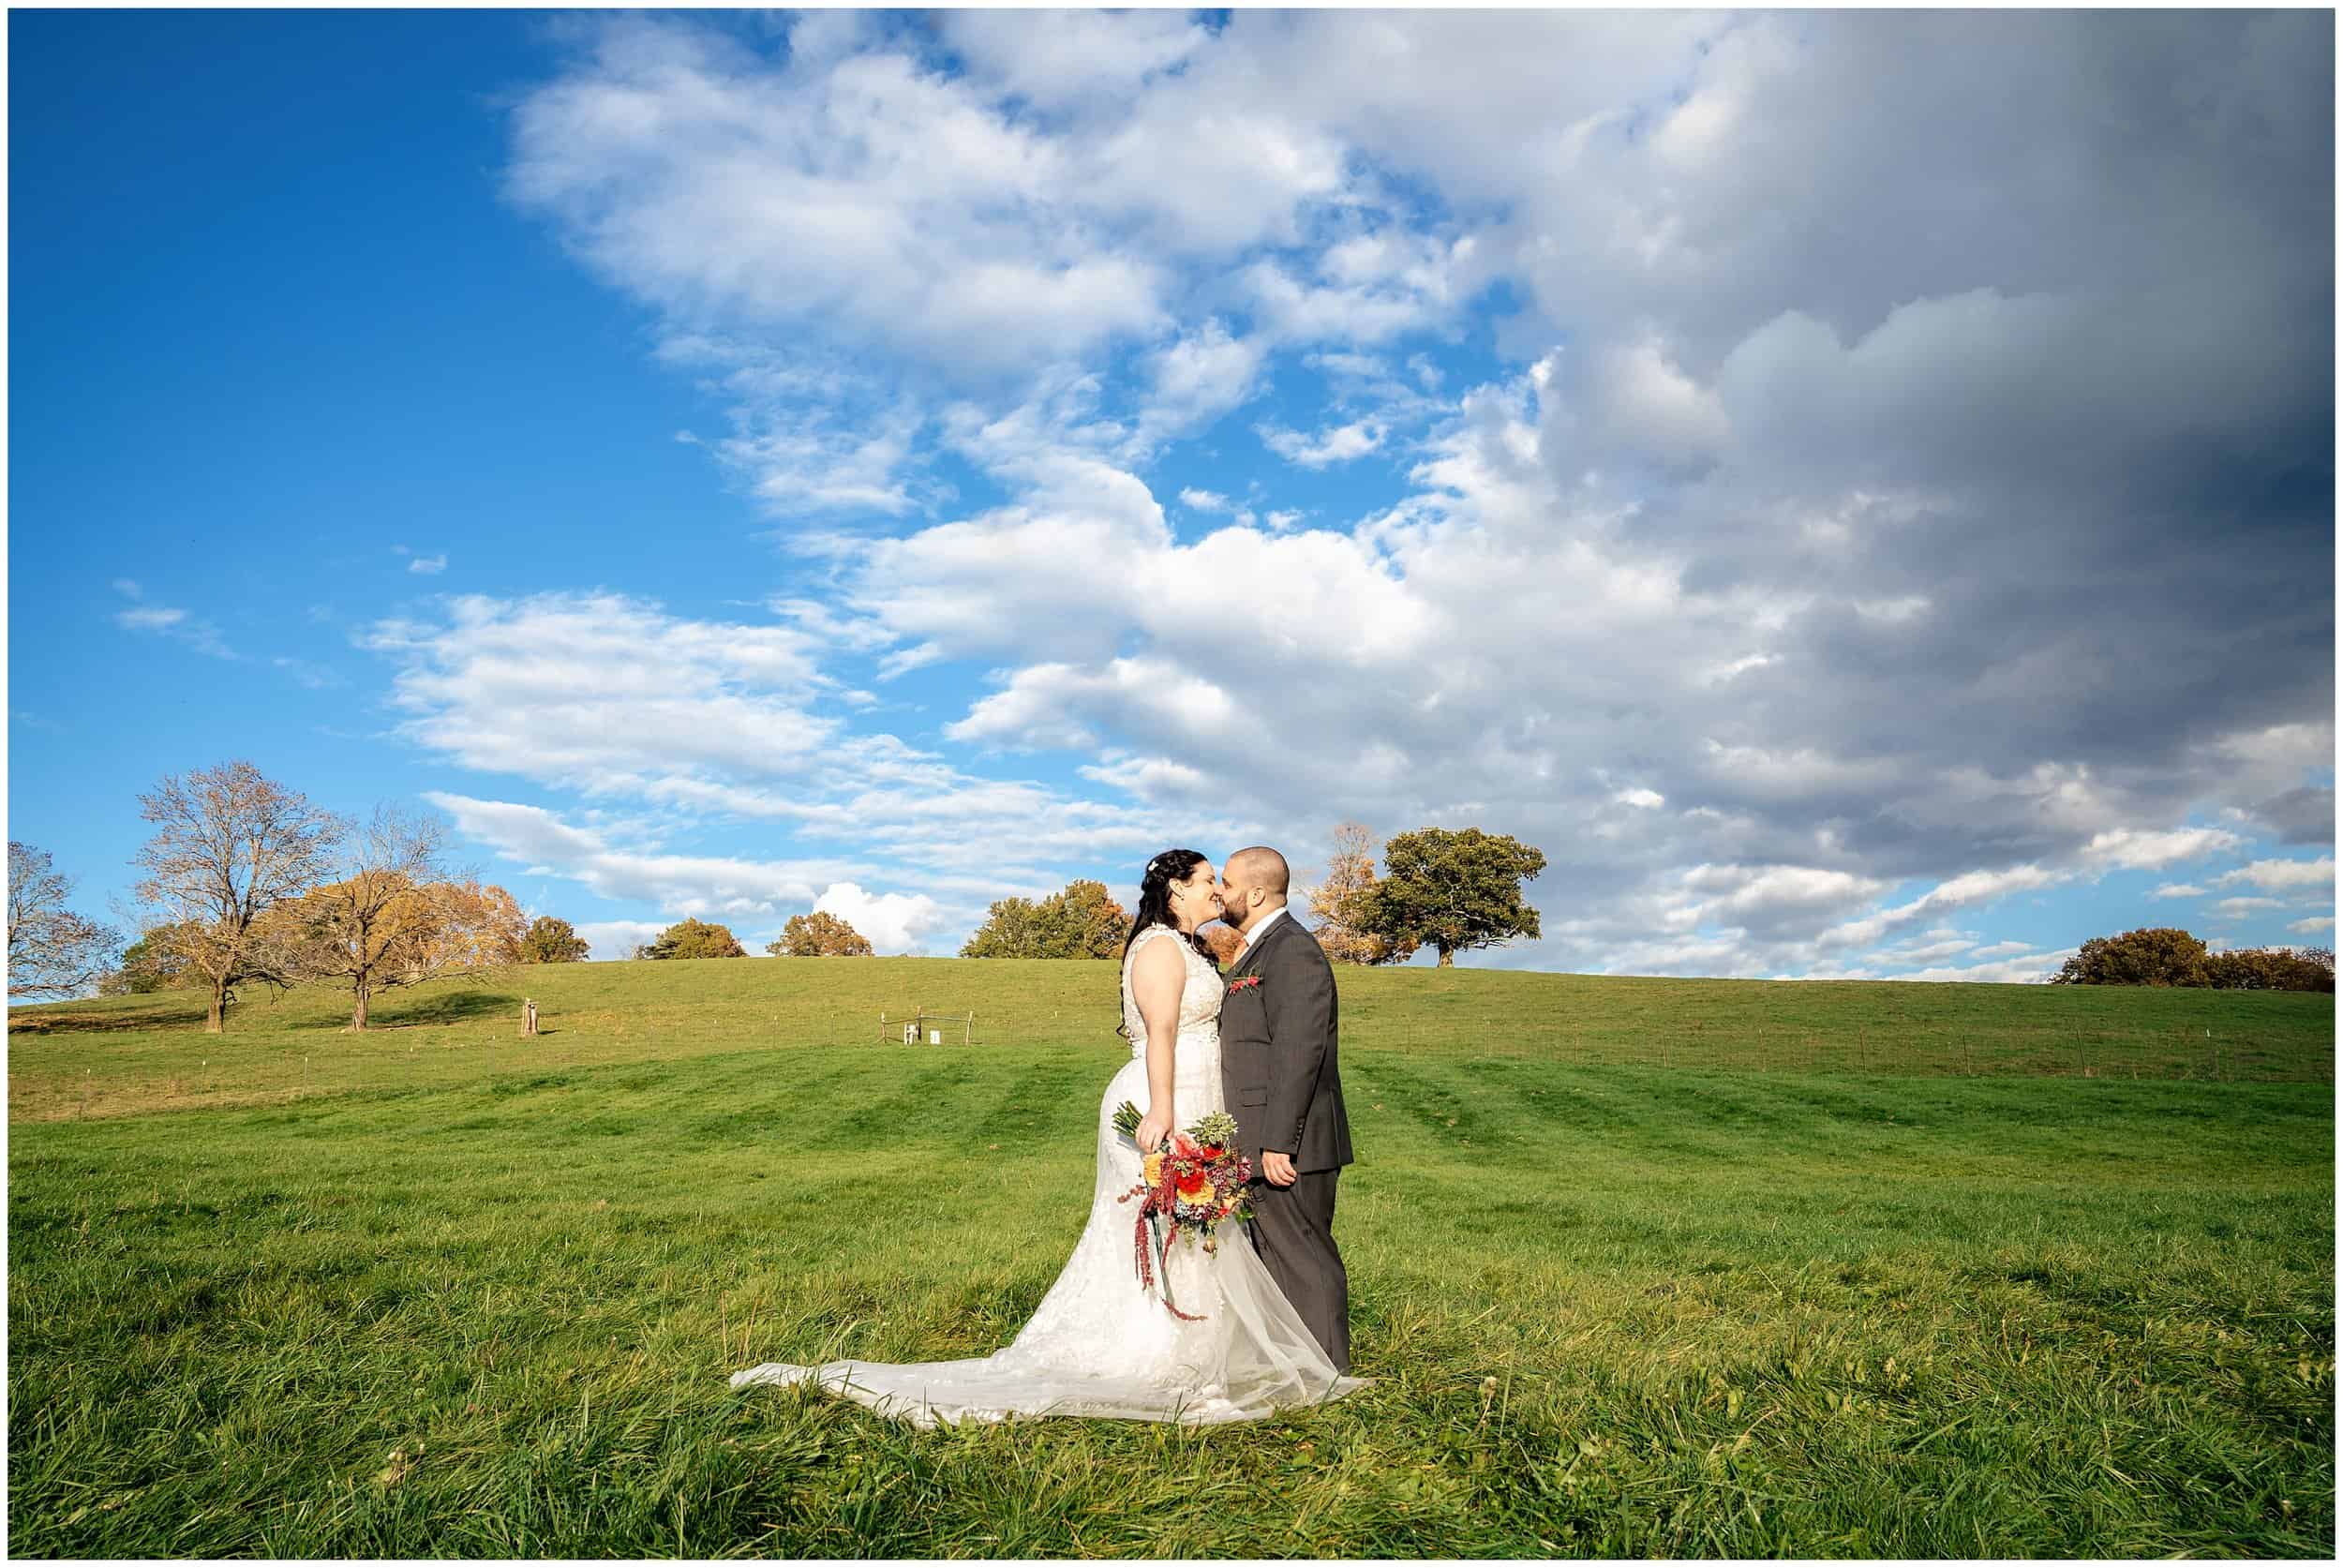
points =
(1282, 1081)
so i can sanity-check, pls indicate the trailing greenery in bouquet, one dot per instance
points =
(1192, 1186)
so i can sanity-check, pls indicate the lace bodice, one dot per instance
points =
(1200, 999)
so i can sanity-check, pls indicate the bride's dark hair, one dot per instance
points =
(1155, 904)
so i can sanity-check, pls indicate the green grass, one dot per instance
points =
(135, 1054)
(1617, 1300)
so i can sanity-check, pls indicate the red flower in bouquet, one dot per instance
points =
(1194, 1184)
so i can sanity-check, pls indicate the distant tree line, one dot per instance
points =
(818, 934)
(2166, 955)
(1450, 890)
(245, 881)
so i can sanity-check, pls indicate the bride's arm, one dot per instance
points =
(1157, 978)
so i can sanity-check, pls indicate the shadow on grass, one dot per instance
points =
(455, 1007)
(420, 1013)
(113, 1021)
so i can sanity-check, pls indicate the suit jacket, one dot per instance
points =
(1279, 1070)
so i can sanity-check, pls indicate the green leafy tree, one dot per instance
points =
(1011, 929)
(1084, 921)
(551, 939)
(693, 938)
(1450, 890)
(155, 962)
(1081, 920)
(820, 934)
(2152, 955)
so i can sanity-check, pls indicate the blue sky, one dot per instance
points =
(733, 464)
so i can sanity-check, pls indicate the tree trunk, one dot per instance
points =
(1447, 958)
(214, 1024)
(358, 1019)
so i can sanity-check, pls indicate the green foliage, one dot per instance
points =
(1217, 1128)
(155, 962)
(2152, 955)
(693, 938)
(1451, 889)
(2167, 956)
(553, 940)
(1011, 929)
(1081, 920)
(819, 934)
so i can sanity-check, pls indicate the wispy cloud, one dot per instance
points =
(169, 622)
(314, 676)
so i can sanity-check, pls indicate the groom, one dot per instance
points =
(1281, 1082)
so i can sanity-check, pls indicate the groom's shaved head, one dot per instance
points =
(1259, 867)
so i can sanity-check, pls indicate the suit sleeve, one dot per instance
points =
(1300, 1006)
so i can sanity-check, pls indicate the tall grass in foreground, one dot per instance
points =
(1610, 1309)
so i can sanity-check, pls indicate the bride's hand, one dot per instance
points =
(1153, 1128)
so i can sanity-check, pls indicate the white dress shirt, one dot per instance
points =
(1262, 924)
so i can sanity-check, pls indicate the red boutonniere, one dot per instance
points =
(1241, 982)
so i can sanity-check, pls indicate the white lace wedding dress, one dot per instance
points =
(1100, 1344)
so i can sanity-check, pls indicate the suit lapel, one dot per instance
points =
(1250, 959)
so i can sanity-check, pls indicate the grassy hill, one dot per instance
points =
(135, 1054)
(1640, 1268)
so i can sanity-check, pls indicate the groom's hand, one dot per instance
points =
(1278, 1168)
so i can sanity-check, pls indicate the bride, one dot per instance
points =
(1100, 1344)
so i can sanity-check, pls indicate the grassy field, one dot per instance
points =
(1640, 1268)
(136, 1054)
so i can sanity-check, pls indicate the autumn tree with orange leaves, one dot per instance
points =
(394, 918)
(1340, 901)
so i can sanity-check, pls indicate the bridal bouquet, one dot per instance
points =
(1195, 1184)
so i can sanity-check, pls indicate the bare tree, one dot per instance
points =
(53, 952)
(1339, 897)
(388, 918)
(228, 844)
